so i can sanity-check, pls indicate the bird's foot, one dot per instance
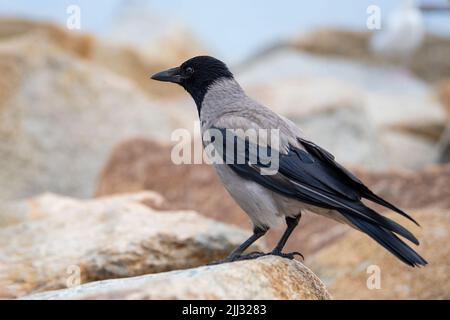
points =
(287, 255)
(257, 254)
(231, 258)
(226, 260)
(251, 255)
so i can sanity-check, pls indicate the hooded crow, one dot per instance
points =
(307, 177)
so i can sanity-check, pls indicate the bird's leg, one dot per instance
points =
(291, 224)
(236, 253)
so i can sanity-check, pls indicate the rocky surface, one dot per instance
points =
(264, 278)
(63, 242)
(61, 115)
(122, 58)
(429, 62)
(443, 89)
(427, 188)
(366, 115)
(347, 265)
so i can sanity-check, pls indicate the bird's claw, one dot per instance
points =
(258, 254)
(251, 255)
(288, 255)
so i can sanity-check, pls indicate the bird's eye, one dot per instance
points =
(189, 70)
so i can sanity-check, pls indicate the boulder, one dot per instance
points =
(429, 62)
(443, 150)
(336, 120)
(126, 59)
(443, 92)
(365, 115)
(427, 188)
(355, 267)
(264, 278)
(63, 242)
(60, 115)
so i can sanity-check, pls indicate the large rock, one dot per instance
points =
(430, 62)
(264, 278)
(427, 188)
(61, 115)
(364, 114)
(349, 266)
(336, 120)
(443, 90)
(444, 143)
(123, 58)
(63, 241)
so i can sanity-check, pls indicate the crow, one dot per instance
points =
(278, 178)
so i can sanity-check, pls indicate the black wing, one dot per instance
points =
(314, 177)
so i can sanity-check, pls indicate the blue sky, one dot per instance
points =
(232, 28)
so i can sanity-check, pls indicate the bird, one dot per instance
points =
(306, 177)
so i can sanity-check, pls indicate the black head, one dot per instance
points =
(196, 75)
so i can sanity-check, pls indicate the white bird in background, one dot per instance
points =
(402, 35)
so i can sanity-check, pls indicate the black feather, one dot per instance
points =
(388, 240)
(349, 178)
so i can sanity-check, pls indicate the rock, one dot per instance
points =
(264, 278)
(64, 241)
(429, 62)
(443, 147)
(443, 91)
(60, 117)
(336, 120)
(427, 188)
(364, 114)
(123, 58)
(344, 265)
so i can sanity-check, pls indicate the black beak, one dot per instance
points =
(170, 75)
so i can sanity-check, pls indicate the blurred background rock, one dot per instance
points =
(79, 117)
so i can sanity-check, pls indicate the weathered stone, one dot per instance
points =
(364, 114)
(427, 188)
(60, 115)
(355, 267)
(429, 62)
(63, 241)
(123, 58)
(264, 278)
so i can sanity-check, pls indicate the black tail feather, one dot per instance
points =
(373, 197)
(382, 221)
(388, 240)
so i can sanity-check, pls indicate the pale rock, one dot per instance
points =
(356, 267)
(363, 114)
(63, 241)
(264, 278)
(61, 115)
